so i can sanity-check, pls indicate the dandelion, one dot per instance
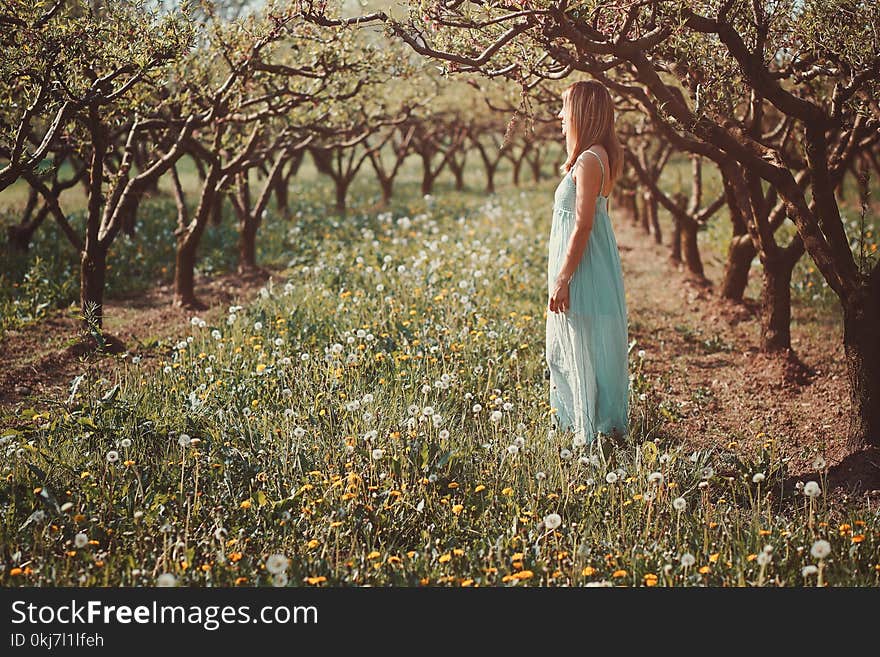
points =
(552, 521)
(565, 454)
(496, 416)
(513, 450)
(809, 570)
(112, 456)
(279, 579)
(519, 441)
(540, 476)
(821, 549)
(477, 408)
(377, 454)
(688, 560)
(166, 579)
(579, 441)
(277, 563)
(655, 478)
(80, 540)
(611, 478)
(819, 463)
(641, 353)
(444, 434)
(812, 489)
(125, 443)
(764, 559)
(758, 477)
(428, 410)
(184, 440)
(707, 473)
(679, 504)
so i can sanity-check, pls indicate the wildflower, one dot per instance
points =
(679, 504)
(812, 489)
(655, 478)
(688, 560)
(552, 521)
(579, 441)
(457, 509)
(184, 440)
(166, 579)
(565, 454)
(519, 441)
(650, 579)
(112, 456)
(619, 573)
(496, 416)
(444, 434)
(819, 463)
(758, 477)
(80, 540)
(708, 472)
(125, 443)
(277, 563)
(378, 454)
(540, 476)
(764, 558)
(820, 549)
(641, 353)
(279, 579)
(809, 570)
(512, 450)
(611, 478)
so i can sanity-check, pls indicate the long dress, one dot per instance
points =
(586, 346)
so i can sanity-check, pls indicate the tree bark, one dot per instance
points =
(776, 297)
(93, 270)
(861, 328)
(740, 254)
(693, 262)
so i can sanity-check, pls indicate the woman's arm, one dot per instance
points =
(587, 177)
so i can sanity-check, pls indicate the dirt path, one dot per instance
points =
(704, 351)
(41, 360)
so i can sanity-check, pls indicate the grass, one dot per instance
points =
(380, 417)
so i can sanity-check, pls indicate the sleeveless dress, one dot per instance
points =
(587, 345)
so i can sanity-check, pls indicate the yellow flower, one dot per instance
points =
(313, 543)
(316, 580)
(240, 580)
(507, 491)
(235, 557)
(650, 579)
(588, 571)
(858, 538)
(445, 557)
(458, 552)
(373, 555)
(452, 484)
(619, 573)
(457, 509)
(751, 557)
(261, 367)
(467, 582)
(479, 488)
(764, 532)
(246, 504)
(713, 558)
(704, 570)
(524, 574)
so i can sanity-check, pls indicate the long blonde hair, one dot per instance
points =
(591, 117)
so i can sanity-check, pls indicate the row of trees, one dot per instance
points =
(243, 100)
(780, 96)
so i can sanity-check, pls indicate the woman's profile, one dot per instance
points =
(587, 331)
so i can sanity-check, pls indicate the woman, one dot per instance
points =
(587, 331)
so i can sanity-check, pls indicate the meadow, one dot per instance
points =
(378, 415)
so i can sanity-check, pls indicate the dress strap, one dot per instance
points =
(601, 167)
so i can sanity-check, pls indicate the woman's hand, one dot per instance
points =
(560, 299)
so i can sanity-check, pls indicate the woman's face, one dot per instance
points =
(563, 117)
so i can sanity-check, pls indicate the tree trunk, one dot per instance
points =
(93, 272)
(490, 179)
(517, 166)
(675, 244)
(650, 206)
(536, 168)
(740, 254)
(654, 218)
(861, 326)
(282, 198)
(776, 305)
(387, 185)
(689, 232)
(341, 195)
(184, 272)
(247, 245)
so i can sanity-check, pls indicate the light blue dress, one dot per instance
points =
(586, 346)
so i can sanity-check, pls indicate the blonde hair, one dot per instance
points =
(591, 118)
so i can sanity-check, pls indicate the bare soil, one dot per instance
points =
(40, 361)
